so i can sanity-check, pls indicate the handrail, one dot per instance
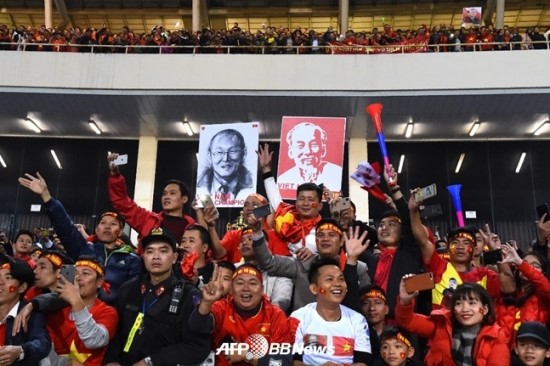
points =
(263, 49)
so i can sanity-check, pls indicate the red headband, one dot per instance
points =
(246, 232)
(5, 266)
(329, 226)
(91, 264)
(248, 270)
(463, 235)
(374, 293)
(54, 259)
(401, 338)
(259, 197)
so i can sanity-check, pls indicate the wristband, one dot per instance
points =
(394, 189)
(268, 174)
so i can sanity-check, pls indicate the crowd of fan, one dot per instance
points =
(303, 276)
(270, 39)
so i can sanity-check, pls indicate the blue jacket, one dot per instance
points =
(121, 264)
(35, 341)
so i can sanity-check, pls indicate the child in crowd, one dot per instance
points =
(532, 345)
(464, 334)
(396, 348)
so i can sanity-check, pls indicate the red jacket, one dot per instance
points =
(490, 347)
(535, 308)
(140, 219)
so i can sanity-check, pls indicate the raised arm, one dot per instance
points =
(272, 190)
(507, 280)
(65, 228)
(420, 234)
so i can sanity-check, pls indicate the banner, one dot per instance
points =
(312, 150)
(471, 17)
(228, 163)
(414, 45)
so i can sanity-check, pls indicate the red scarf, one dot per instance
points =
(288, 224)
(383, 267)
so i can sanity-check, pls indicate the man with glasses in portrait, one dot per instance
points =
(226, 178)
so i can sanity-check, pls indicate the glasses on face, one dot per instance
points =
(233, 153)
(536, 265)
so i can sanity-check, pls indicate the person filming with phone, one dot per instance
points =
(82, 328)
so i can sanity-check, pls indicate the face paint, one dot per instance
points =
(452, 247)
(314, 205)
(402, 355)
(322, 291)
(384, 354)
(470, 249)
(481, 311)
(12, 289)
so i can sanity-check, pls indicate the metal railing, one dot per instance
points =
(273, 50)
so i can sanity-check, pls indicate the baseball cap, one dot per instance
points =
(159, 235)
(19, 269)
(536, 331)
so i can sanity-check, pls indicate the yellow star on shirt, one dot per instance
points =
(263, 329)
(346, 347)
(80, 357)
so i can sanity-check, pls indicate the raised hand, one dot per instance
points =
(210, 215)
(491, 239)
(254, 223)
(413, 205)
(37, 185)
(264, 158)
(113, 168)
(213, 290)
(354, 243)
(509, 255)
(390, 175)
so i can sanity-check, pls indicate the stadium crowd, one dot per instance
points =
(297, 285)
(275, 40)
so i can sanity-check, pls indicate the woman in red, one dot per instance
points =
(465, 335)
(531, 301)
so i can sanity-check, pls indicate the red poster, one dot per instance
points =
(312, 150)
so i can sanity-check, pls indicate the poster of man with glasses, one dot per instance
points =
(228, 163)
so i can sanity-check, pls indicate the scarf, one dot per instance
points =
(382, 274)
(288, 224)
(463, 345)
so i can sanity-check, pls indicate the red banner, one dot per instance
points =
(415, 45)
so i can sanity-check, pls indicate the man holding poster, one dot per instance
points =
(311, 161)
(226, 174)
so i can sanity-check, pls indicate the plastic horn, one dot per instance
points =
(375, 113)
(454, 190)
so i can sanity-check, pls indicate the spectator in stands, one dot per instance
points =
(539, 42)
(154, 311)
(5, 243)
(449, 274)
(22, 246)
(531, 300)
(106, 245)
(277, 289)
(47, 272)
(174, 197)
(396, 348)
(532, 345)
(374, 307)
(24, 346)
(244, 313)
(197, 240)
(330, 239)
(542, 245)
(326, 322)
(464, 335)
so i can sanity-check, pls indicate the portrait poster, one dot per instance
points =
(228, 164)
(471, 17)
(312, 150)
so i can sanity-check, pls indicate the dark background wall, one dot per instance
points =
(500, 197)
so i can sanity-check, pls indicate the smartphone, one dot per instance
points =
(206, 201)
(69, 272)
(121, 160)
(425, 193)
(492, 257)
(541, 210)
(262, 211)
(420, 282)
(342, 204)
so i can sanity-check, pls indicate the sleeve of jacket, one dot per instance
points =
(134, 215)
(39, 344)
(351, 276)
(72, 240)
(415, 323)
(276, 265)
(282, 292)
(193, 347)
(539, 281)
